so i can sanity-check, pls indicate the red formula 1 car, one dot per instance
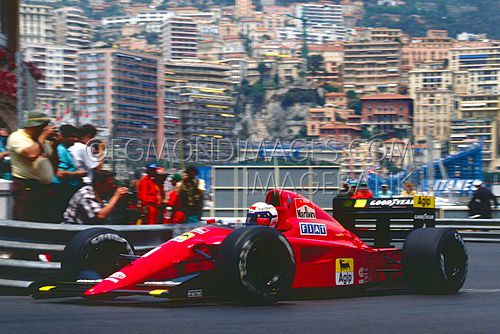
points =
(289, 245)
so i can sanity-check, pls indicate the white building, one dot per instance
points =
(321, 14)
(315, 35)
(36, 25)
(58, 64)
(179, 38)
(72, 27)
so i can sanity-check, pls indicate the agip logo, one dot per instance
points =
(344, 271)
(304, 209)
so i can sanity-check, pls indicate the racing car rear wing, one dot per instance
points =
(418, 211)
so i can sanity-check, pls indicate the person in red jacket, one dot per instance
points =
(363, 192)
(176, 216)
(148, 193)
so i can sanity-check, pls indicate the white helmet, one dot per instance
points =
(261, 213)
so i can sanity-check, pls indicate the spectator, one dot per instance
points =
(363, 192)
(160, 178)
(480, 204)
(191, 193)
(344, 191)
(87, 205)
(4, 155)
(176, 216)
(408, 191)
(385, 192)
(33, 161)
(149, 194)
(68, 178)
(82, 155)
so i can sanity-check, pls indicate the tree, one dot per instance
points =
(316, 64)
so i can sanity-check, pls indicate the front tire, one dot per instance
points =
(96, 251)
(435, 261)
(255, 265)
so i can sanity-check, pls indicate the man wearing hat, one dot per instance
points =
(363, 192)
(480, 204)
(385, 192)
(33, 162)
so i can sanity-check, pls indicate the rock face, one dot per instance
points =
(282, 114)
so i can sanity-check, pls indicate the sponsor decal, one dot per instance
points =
(424, 216)
(312, 229)
(89, 281)
(116, 277)
(360, 203)
(200, 230)
(426, 202)
(163, 283)
(304, 209)
(391, 202)
(344, 271)
(363, 275)
(195, 293)
(184, 237)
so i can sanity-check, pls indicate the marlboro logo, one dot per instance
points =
(304, 209)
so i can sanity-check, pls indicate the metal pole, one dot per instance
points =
(20, 101)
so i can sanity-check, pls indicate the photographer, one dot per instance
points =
(33, 162)
(88, 205)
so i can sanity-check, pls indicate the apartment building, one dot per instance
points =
(434, 46)
(321, 14)
(431, 88)
(179, 38)
(468, 58)
(59, 64)
(468, 132)
(371, 67)
(37, 25)
(121, 91)
(72, 28)
(385, 113)
(243, 8)
(205, 102)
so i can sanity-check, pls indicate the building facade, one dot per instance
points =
(371, 67)
(179, 38)
(120, 92)
(37, 25)
(205, 105)
(72, 28)
(386, 113)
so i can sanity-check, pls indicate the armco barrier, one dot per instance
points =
(21, 243)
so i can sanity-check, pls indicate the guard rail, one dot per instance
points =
(23, 243)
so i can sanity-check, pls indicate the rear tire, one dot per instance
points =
(255, 265)
(435, 261)
(96, 251)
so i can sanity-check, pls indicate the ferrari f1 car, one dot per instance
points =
(288, 244)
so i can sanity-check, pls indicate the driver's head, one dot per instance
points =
(262, 213)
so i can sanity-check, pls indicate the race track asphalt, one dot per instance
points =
(476, 309)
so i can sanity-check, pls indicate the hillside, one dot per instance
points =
(414, 18)
(456, 16)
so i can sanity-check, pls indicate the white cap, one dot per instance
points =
(477, 183)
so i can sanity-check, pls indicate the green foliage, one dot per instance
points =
(329, 88)
(297, 95)
(456, 16)
(316, 64)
